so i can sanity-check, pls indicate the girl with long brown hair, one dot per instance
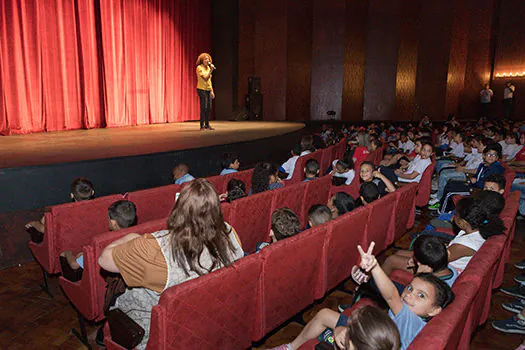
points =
(196, 242)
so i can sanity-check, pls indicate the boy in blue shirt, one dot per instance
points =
(230, 163)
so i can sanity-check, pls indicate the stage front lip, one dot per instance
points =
(95, 144)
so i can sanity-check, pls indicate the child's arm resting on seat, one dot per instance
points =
(384, 284)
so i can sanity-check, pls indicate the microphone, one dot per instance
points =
(212, 66)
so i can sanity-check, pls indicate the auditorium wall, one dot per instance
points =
(376, 59)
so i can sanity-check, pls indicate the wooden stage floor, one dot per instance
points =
(80, 145)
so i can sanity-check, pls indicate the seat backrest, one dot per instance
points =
(87, 295)
(352, 189)
(219, 182)
(214, 311)
(509, 174)
(298, 172)
(249, 217)
(380, 228)
(425, 186)
(316, 192)
(512, 203)
(289, 277)
(404, 213)
(343, 236)
(74, 224)
(245, 176)
(154, 203)
(340, 149)
(326, 160)
(290, 196)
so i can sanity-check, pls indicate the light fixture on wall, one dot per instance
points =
(510, 75)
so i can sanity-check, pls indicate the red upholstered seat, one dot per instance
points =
(352, 189)
(340, 149)
(154, 203)
(214, 311)
(401, 276)
(509, 177)
(447, 330)
(326, 159)
(425, 186)
(380, 228)
(291, 196)
(87, 295)
(405, 210)
(226, 211)
(68, 227)
(343, 235)
(289, 277)
(298, 172)
(218, 181)
(245, 176)
(317, 192)
(250, 218)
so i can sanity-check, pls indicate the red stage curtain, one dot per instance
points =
(92, 63)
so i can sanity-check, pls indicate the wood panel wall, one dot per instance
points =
(375, 59)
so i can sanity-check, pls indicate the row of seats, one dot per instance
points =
(69, 226)
(453, 328)
(231, 307)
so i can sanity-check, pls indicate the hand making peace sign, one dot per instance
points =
(368, 261)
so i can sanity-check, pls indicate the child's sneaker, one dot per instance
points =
(520, 279)
(514, 306)
(435, 206)
(516, 290)
(520, 265)
(433, 201)
(513, 325)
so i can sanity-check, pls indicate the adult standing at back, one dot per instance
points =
(205, 91)
(485, 99)
(508, 100)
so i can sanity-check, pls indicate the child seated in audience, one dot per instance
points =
(81, 190)
(318, 214)
(425, 297)
(265, 177)
(121, 214)
(405, 145)
(311, 170)
(288, 167)
(417, 166)
(344, 170)
(284, 224)
(235, 189)
(230, 163)
(477, 224)
(368, 173)
(368, 192)
(307, 145)
(181, 174)
(340, 203)
(512, 146)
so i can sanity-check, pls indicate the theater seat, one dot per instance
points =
(215, 311)
(87, 295)
(340, 248)
(326, 160)
(68, 227)
(425, 186)
(250, 218)
(290, 196)
(154, 203)
(380, 228)
(289, 277)
(352, 189)
(404, 213)
(316, 192)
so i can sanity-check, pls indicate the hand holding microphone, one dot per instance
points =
(212, 66)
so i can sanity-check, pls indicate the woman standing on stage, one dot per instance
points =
(205, 88)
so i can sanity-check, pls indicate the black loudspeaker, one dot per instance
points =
(254, 85)
(254, 105)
